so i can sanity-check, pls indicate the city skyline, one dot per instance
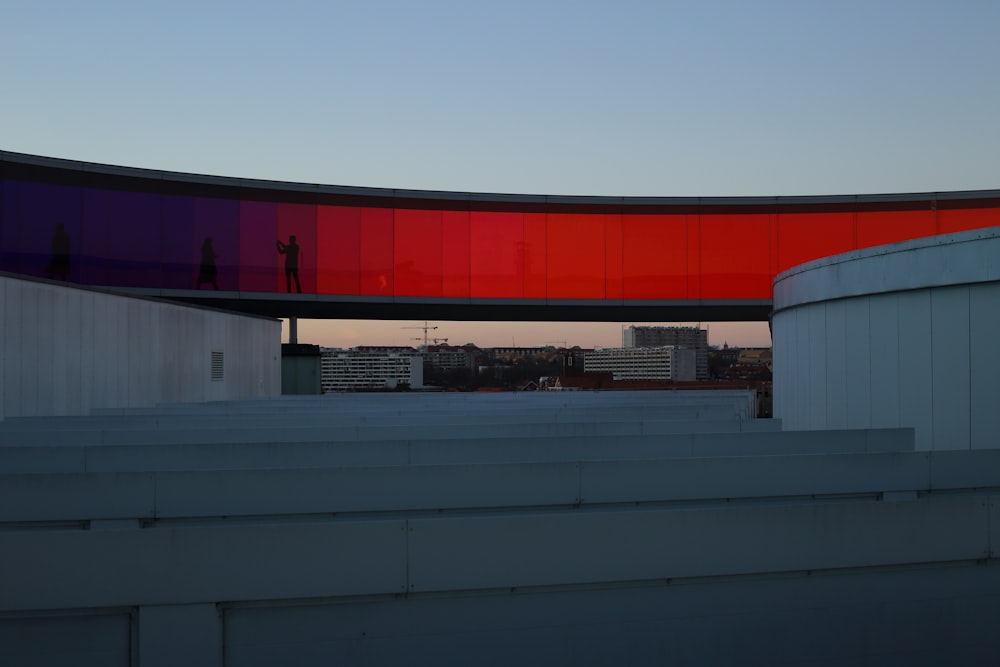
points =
(408, 333)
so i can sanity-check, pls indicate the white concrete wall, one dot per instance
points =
(68, 350)
(898, 336)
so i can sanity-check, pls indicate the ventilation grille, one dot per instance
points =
(218, 366)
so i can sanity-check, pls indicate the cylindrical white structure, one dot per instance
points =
(898, 335)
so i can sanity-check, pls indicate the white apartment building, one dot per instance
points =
(361, 369)
(694, 338)
(643, 363)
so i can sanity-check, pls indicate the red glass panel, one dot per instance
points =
(882, 227)
(535, 232)
(735, 256)
(958, 220)
(455, 263)
(575, 256)
(338, 249)
(376, 251)
(613, 268)
(655, 250)
(806, 236)
(417, 253)
(497, 254)
(297, 235)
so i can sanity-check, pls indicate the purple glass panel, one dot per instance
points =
(42, 229)
(178, 236)
(132, 244)
(258, 231)
(215, 244)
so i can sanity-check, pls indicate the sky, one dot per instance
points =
(658, 98)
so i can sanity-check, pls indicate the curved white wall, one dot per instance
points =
(899, 335)
(67, 350)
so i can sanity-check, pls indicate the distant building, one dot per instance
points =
(643, 363)
(450, 357)
(371, 368)
(694, 338)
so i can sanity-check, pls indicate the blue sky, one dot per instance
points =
(624, 98)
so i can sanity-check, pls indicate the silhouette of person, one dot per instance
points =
(291, 252)
(208, 273)
(59, 264)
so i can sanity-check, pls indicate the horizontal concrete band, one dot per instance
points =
(360, 433)
(450, 451)
(62, 498)
(208, 563)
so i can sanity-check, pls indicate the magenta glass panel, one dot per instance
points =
(295, 248)
(806, 236)
(496, 248)
(535, 249)
(338, 243)
(735, 256)
(376, 251)
(575, 256)
(178, 265)
(417, 253)
(258, 234)
(456, 277)
(655, 256)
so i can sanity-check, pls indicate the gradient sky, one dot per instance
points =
(552, 97)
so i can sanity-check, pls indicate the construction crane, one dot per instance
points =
(426, 328)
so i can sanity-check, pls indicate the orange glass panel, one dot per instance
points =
(455, 279)
(417, 253)
(613, 284)
(535, 236)
(376, 242)
(497, 254)
(338, 248)
(806, 236)
(575, 256)
(882, 227)
(655, 256)
(962, 219)
(735, 256)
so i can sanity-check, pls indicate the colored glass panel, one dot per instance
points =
(456, 270)
(376, 259)
(33, 242)
(179, 267)
(575, 256)
(735, 256)
(496, 247)
(535, 244)
(963, 219)
(132, 244)
(296, 248)
(655, 257)
(338, 242)
(614, 286)
(883, 227)
(802, 237)
(215, 244)
(258, 233)
(417, 253)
